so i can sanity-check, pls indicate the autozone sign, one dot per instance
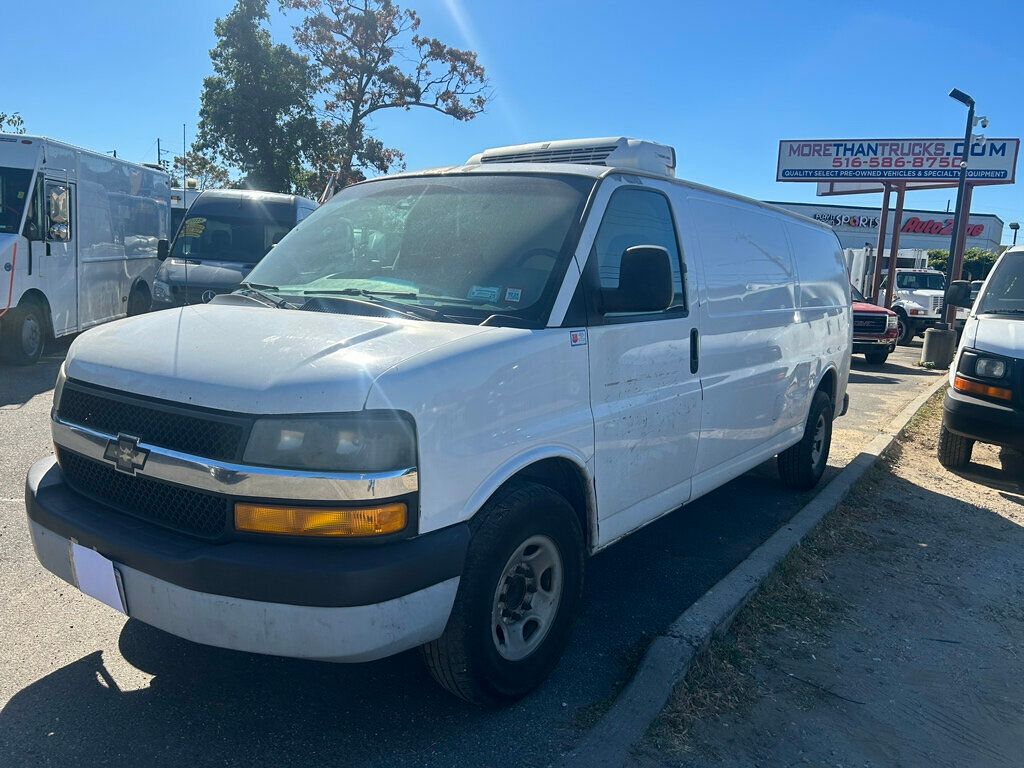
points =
(993, 161)
(917, 226)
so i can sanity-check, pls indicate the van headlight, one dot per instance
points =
(369, 441)
(161, 290)
(990, 368)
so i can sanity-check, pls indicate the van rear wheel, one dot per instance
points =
(23, 334)
(517, 599)
(802, 465)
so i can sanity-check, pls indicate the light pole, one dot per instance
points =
(967, 101)
(940, 341)
(1014, 226)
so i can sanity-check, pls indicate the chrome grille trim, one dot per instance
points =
(239, 479)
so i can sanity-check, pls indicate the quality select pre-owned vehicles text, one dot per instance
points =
(433, 400)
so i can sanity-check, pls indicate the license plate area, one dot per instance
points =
(97, 577)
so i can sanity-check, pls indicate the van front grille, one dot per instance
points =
(170, 506)
(168, 426)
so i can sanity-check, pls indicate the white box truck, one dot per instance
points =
(79, 237)
(433, 400)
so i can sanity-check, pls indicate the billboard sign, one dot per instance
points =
(993, 161)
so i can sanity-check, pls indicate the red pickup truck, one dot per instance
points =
(875, 329)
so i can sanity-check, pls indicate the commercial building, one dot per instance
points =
(857, 225)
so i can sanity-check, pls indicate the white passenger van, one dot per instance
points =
(79, 237)
(433, 400)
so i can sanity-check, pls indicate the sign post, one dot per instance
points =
(876, 275)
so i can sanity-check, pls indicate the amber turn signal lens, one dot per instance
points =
(314, 521)
(960, 384)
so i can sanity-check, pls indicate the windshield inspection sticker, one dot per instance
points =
(513, 295)
(484, 293)
(578, 338)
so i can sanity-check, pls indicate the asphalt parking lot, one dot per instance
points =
(82, 685)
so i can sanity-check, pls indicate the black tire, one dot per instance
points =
(954, 450)
(802, 465)
(466, 659)
(906, 330)
(878, 356)
(23, 333)
(139, 300)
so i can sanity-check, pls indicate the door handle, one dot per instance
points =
(47, 247)
(694, 350)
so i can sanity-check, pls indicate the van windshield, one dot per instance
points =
(232, 230)
(14, 188)
(1005, 292)
(486, 244)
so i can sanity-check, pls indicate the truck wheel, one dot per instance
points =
(23, 334)
(802, 465)
(877, 356)
(954, 450)
(906, 330)
(517, 599)
(139, 301)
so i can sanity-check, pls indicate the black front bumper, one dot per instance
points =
(295, 573)
(983, 421)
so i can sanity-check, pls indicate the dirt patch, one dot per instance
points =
(893, 636)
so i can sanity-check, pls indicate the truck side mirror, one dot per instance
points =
(959, 294)
(163, 249)
(645, 282)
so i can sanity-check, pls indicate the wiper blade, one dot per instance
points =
(1002, 312)
(376, 297)
(365, 292)
(259, 289)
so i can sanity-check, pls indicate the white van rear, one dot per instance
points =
(438, 395)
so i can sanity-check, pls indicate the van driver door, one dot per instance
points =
(55, 251)
(644, 387)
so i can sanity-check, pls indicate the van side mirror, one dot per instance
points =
(645, 282)
(959, 294)
(163, 249)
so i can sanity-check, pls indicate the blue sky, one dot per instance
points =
(722, 82)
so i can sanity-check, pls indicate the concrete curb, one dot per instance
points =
(667, 660)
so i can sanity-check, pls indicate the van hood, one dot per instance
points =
(221, 276)
(253, 359)
(999, 335)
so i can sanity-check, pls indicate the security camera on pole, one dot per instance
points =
(940, 341)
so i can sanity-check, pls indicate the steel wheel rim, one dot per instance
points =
(31, 336)
(818, 443)
(527, 598)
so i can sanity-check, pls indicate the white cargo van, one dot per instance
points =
(433, 400)
(985, 399)
(79, 238)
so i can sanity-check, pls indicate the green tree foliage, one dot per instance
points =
(370, 58)
(256, 109)
(202, 167)
(12, 123)
(977, 262)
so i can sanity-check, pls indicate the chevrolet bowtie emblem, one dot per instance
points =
(126, 454)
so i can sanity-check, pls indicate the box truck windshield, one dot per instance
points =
(14, 189)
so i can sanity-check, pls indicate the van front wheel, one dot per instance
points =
(23, 334)
(518, 596)
(802, 465)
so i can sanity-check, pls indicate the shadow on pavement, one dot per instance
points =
(210, 706)
(20, 384)
(1008, 479)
